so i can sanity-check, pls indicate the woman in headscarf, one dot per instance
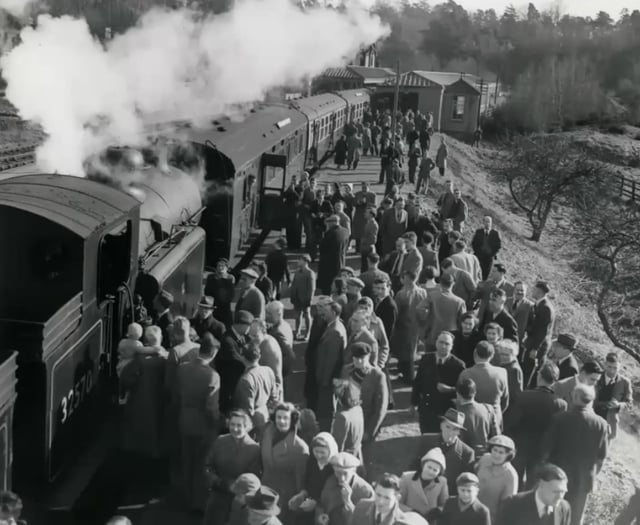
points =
(284, 456)
(425, 490)
(323, 448)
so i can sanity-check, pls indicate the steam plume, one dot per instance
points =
(15, 7)
(177, 63)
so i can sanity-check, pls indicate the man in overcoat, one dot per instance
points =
(413, 258)
(528, 420)
(367, 240)
(444, 311)
(328, 362)
(496, 313)
(204, 321)
(459, 456)
(486, 244)
(393, 225)
(281, 331)
(520, 308)
(251, 299)
(333, 249)
(198, 391)
(303, 288)
(480, 422)
(577, 441)
(613, 393)
(434, 386)
(539, 332)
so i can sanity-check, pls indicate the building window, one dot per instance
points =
(458, 108)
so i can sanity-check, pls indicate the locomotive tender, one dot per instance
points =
(75, 250)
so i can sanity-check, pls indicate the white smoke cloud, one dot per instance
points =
(16, 7)
(176, 63)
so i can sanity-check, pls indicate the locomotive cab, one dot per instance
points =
(56, 310)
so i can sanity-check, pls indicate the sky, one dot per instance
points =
(571, 7)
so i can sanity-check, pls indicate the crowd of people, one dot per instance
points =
(513, 430)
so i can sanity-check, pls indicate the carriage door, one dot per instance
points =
(273, 172)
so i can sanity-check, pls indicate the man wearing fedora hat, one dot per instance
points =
(333, 249)
(562, 353)
(204, 321)
(251, 298)
(262, 507)
(342, 491)
(459, 456)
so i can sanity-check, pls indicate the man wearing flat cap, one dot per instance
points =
(354, 293)
(333, 249)
(465, 508)
(204, 321)
(342, 491)
(229, 362)
(251, 298)
(562, 353)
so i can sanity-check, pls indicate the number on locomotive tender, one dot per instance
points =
(76, 395)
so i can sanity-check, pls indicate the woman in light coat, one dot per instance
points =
(284, 456)
(426, 489)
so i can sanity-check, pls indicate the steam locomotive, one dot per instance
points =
(76, 251)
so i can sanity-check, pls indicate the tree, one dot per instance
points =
(549, 172)
(611, 233)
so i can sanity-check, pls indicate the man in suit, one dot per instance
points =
(229, 362)
(520, 308)
(354, 294)
(444, 310)
(466, 261)
(373, 272)
(385, 306)
(221, 286)
(302, 290)
(434, 386)
(384, 507)
(333, 249)
(613, 393)
(562, 354)
(465, 508)
(394, 224)
(413, 258)
(257, 389)
(466, 339)
(497, 279)
(589, 375)
(528, 420)
(542, 506)
(369, 237)
(393, 263)
(198, 390)
(328, 363)
(486, 244)
(270, 353)
(496, 313)
(480, 423)
(429, 255)
(251, 298)
(491, 381)
(281, 331)
(463, 285)
(577, 441)
(458, 455)
(539, 332)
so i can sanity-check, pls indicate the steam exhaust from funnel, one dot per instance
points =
(179, 64)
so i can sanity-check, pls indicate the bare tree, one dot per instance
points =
(611, 233)
(550, 171)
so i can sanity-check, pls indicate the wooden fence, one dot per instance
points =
(629, 188)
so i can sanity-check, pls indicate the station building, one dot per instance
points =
(453, 98)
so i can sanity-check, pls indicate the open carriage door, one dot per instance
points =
(273, 173)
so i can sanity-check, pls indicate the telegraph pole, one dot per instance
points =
(396, 96)
(480, 101)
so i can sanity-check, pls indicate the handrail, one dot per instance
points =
(629, 188)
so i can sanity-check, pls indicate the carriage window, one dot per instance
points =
(114, 258)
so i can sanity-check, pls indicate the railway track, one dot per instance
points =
(16, 156)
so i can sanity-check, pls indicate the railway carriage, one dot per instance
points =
(357, 101)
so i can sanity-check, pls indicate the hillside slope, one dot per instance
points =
(527, 260)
